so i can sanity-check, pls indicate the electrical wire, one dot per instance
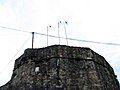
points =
(14, 29)
(15, 55)
(115, 44)
(88, 41)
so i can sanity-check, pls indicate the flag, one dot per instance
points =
(66, 22)
(59, 24)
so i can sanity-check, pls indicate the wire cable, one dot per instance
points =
(14, 29)
(115, 44)
(88, 41)
(15, 55)
(94, 42)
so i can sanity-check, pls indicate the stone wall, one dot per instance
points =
(62, 67)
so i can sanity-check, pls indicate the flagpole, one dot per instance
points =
(47, 35)
(32, 39)
(65, 31)
(59, 32)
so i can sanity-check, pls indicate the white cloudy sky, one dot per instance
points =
(95, 20)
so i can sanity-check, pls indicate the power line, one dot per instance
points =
(88, 41)
(116, 44)
(15, 55)
(14, 29)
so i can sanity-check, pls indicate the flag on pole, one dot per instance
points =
(66, 22)
(59, 24)
(49, 26)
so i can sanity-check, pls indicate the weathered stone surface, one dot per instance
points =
(61, 67)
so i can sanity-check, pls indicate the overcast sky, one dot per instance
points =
(94, 20)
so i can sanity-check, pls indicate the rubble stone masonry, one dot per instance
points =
(61, 67)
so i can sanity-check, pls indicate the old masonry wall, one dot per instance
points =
(61, 67)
